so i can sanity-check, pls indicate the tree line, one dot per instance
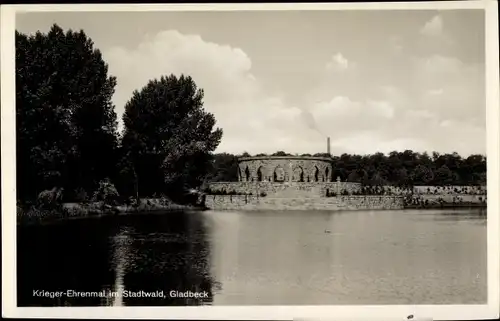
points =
(402, 169)
(69, 146)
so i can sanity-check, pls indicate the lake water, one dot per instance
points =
(259, 258)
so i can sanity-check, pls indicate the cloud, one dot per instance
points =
(435, 92)
(370, 142)
(440, 65)
(337, 63)
(341, 109)
(252, 119)
(433, 27)
(441, 108)
(434, 35)
(214, 67)
(395, 45)
(451, 88)
(435, 89)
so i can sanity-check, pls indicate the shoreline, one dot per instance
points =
(333, 203)
(74, 211)
(447, 206)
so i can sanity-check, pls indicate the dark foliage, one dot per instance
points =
(66, 124)
(168, 138)
(67, 129)
(402, 169)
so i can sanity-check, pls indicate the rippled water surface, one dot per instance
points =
(263, 258)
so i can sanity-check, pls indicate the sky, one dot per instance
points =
(372, 80)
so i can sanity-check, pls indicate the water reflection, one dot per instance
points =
(62, 257)
(121, 258)
(263, 258)
(372, 257)
(147, 253)
(169, 255)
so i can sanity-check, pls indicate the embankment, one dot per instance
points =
(432, 201)
(249, 202)
(34, 215)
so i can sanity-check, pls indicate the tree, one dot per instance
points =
(402, 179)
(66, 124)
(322, 155)
(358, 175)
(168, 136)
(224, 168)
(377, 180)
(280, 153)
(444, 176)
(422, 175)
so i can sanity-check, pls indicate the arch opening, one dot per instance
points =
(327, 172)
(259, 174)
(316, 174)
(247, 174)
(298, 174)
(279, 174)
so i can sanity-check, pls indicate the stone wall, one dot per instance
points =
(287, 189)
(239, 202)
(457, 198)
(285, 169)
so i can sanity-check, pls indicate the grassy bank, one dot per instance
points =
(35, 215)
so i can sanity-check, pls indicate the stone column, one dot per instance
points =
(338, 185)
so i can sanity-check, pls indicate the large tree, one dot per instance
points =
(66, 124)
(168, 136)
(224, 168)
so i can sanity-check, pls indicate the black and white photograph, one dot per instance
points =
(307, 157)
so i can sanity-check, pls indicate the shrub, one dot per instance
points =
(263, 194)
(81, 195)
(106, 192)
(50, 199)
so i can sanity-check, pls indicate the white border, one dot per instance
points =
(399, 312)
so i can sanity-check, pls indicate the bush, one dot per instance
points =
(81, 195)
(106, 193)
(263, 194)
(50, 199)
